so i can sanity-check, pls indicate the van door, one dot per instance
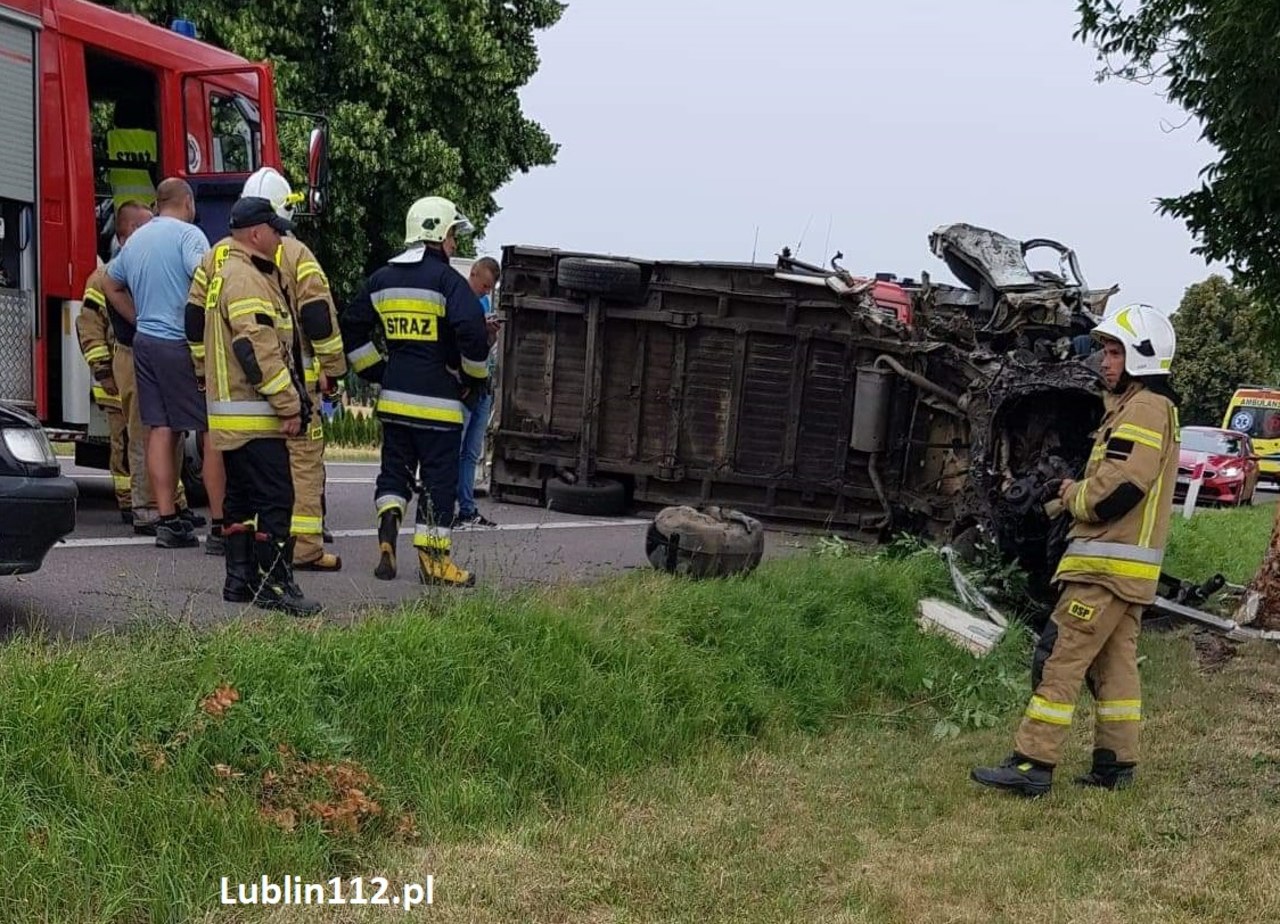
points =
(18, 159)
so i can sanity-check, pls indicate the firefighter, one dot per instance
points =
(1108, 575)
(256, 400)
(432, 322)
(132, 147)
(97, 345)
(324, 363)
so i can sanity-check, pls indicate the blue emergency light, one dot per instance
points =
(184, 27)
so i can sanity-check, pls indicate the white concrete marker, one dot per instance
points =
(1193, 489)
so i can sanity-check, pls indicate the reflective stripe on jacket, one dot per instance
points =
(306, 290)
(131, 184)
(1135, 455)
(248, 346)
(432, 324)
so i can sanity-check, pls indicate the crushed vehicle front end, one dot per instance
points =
(805, 394)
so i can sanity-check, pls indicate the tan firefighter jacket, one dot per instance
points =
(1123, 504)
(248, 340)
(98, 340)
(306, 290)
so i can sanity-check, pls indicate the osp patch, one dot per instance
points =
(1081, 611)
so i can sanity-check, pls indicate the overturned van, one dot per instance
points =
(799, 393)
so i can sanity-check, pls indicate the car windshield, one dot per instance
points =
(1262, 423)
(1219, 444)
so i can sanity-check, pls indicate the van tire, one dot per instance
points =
(603, 498)
(704, 542)
(619, 279)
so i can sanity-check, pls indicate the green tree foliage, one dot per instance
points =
(1219, 348)
(421, 96)
(1217, 60)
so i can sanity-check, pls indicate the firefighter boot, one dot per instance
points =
(1016, 775)
(388, 529)
(1107, 772)
(278, 590)
(242, 566)
(437, 568)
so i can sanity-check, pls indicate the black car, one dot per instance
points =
(37, 503)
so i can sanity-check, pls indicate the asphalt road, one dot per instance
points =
(105, 577)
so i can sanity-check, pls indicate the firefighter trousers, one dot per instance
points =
(120, 461)
(144, 505)
(1097, 638)
(306, 460)
(260, 487)
(432, 456)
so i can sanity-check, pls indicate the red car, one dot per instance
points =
(1231, 467)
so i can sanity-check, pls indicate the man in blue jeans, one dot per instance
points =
(475, 421)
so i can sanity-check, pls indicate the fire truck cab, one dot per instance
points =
(75, 77)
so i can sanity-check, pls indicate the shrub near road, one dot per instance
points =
(135, 772)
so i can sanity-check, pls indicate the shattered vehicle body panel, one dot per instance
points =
(800, 393)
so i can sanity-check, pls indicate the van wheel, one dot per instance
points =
(603, 498)
(618, 279)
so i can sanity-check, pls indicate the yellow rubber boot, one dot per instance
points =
(326, 562)
(438, 569)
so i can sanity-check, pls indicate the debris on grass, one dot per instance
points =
(954, 624)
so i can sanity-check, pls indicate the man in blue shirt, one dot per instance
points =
(148, 284)
(483, 277)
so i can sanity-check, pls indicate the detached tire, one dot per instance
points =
(618, 279)
(603, 498)
(703, 542)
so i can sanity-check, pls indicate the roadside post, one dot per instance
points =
(1193, 488)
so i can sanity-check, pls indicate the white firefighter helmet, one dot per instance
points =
(267, 183)
(430, 219)
(1147, 336)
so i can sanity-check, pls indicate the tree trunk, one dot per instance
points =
(1261, 606)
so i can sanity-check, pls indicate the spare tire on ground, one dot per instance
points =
(704, 542)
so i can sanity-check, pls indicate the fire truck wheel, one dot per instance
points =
(617, 279)
(603, 498)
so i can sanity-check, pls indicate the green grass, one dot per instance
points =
(883, 826)
(780, 747)
(1230, 542)
(121, 800)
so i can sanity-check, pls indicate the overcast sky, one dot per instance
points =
(686, 124)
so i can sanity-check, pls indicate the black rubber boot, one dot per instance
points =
(242, 567)
(1016, 775)
(388, 530)
(1107, 772)
(278, 591)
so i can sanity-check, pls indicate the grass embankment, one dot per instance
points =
(134, 772)
(775, 748)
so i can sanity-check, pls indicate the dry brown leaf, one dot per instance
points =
(154, 755)
(220, 700)
(285, 819)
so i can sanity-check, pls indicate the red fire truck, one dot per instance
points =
(71, 73)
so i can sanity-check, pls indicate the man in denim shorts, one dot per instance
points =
(147, 284)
